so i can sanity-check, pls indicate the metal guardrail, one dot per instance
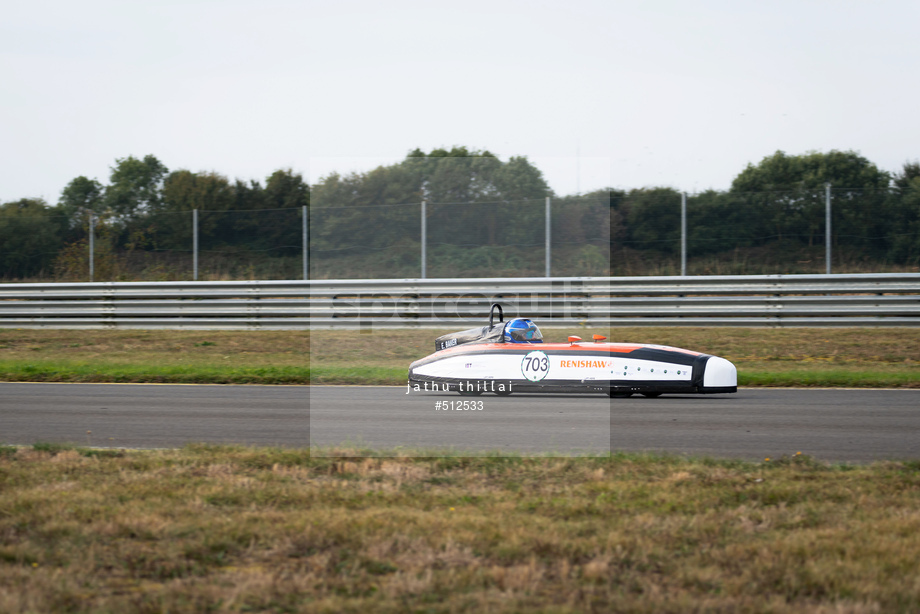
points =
(889, 299)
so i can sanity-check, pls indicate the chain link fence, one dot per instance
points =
(643, 232)
(779, 232)
(462, 239)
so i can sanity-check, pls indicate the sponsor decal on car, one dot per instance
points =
(585, 364)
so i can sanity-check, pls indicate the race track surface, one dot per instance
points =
(833, 425)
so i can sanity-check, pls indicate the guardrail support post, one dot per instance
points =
(424, 241)
(92, 245)
(549, 253)
(827, 225)
(306, 244)
(683, 234)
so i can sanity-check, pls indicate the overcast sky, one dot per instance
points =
(596, 93)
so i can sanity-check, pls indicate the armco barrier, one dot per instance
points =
(763, 300)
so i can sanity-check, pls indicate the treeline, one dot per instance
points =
(782, 201)
(483, 216)
(147, 208)
(487, 215)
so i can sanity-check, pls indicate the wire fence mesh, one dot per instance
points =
(462, 239)
(599, 234)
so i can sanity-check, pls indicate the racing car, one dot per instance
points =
(507, 357)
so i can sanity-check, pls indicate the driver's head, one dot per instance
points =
(522, 330)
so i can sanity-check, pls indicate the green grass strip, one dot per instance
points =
(49, 371)
(65, 371)
(833, 378)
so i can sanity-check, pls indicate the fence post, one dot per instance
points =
(683, 234)
(306, 244)
(827, 225)
(195, 244)
(92, 245)
(549, 254)
(424, 241)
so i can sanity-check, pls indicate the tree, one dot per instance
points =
(653, 219)
(239, 215)
(592, 218)
(285, 189)
(236, 227)
(30, 237)
(80, 195)
(904, 232)
(183, 192)
(720, 221)
(135, 187)
(473, 197)
(360, 211)
(78, 198)
(479, 200)
(285, 195)
(518, 179)
(791, 199)
(462, 176)
(780, 172)
(910, 171)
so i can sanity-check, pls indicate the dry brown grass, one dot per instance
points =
(383, 346)
(764, 356)
(158, 346)
(236, 529)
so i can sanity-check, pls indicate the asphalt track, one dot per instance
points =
(833, 425)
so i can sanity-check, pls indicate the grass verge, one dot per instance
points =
(764, 357)
(850, 376)
(233, 529)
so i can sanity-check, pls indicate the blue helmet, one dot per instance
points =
(522, 330)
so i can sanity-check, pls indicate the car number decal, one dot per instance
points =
(535, 366)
